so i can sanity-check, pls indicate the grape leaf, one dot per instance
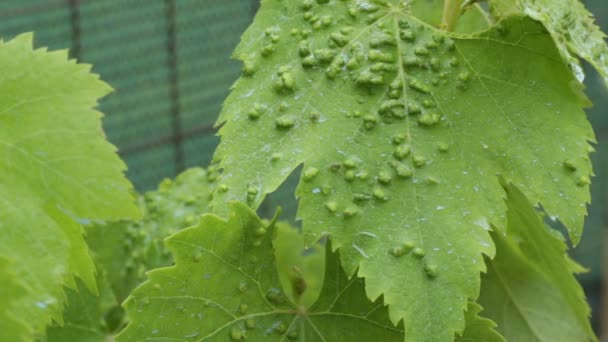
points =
(401, 129)
(225, 286)
(56, 167)
(11, 328)
(478, 329)
(572, 27)
(529, 289)
(128, 249)
(125, 250)
(84, 317)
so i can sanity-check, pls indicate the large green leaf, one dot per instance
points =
(11, 327)
(56, 167)
(225, 286)
(572, 26)
(529, 290)
(401, 129)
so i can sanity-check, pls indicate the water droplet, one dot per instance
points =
(243, 308)
(250, 323)
(443, 147)
(242, 287)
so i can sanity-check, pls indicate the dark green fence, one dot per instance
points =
(169, 63)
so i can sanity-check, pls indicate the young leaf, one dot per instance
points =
(84, 317)
(402, 129)
(125, 250)
(11, 327)
(299, 268)
(225, 286)
(529, 289)
(56, 167)
(128, 249)
(572, 27)
(478, 328)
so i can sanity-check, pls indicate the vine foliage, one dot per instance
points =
(430, 156)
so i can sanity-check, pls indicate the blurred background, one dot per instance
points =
(169, 61)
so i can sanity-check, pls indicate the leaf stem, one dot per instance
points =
(451, 12)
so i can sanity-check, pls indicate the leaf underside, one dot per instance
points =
(402, 130)
(529, 289)
(56, 167)
(225, 286)
(572, 27)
